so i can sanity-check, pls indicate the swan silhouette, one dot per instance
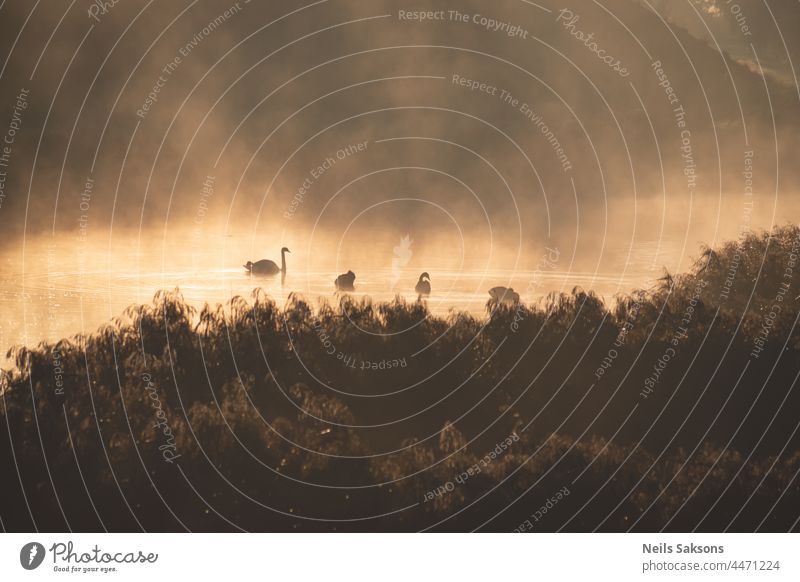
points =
(267, 267)
(503, 296)
(345, 282)
(423, 285)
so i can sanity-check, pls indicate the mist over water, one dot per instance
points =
(65, 285)
(603, 197)
(58, 285)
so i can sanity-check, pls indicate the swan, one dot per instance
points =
(267, 267)
(345, 282)
(503, 296)
(423, 285)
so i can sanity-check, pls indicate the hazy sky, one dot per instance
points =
(351, 123)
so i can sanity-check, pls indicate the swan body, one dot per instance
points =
(423, 285)
(346, 282)
(267, 267)
(503, 296)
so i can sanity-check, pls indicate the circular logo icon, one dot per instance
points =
(31, 555)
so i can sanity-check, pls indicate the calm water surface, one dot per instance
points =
(51, 291)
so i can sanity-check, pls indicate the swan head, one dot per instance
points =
(285, 250)
(249, 265)
(424, 276)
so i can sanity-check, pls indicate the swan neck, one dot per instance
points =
(283, 261)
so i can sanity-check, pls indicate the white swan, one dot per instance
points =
(346, 282)
(503, 296)
(423, 285)
(267, 267)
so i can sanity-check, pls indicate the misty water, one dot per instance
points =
(50, 291)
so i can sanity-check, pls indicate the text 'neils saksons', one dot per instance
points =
(663, 548)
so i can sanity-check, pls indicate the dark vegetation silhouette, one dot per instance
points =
(259, 417)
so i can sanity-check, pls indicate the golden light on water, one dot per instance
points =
(60, 285)
(363, 266)
(65, 285)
